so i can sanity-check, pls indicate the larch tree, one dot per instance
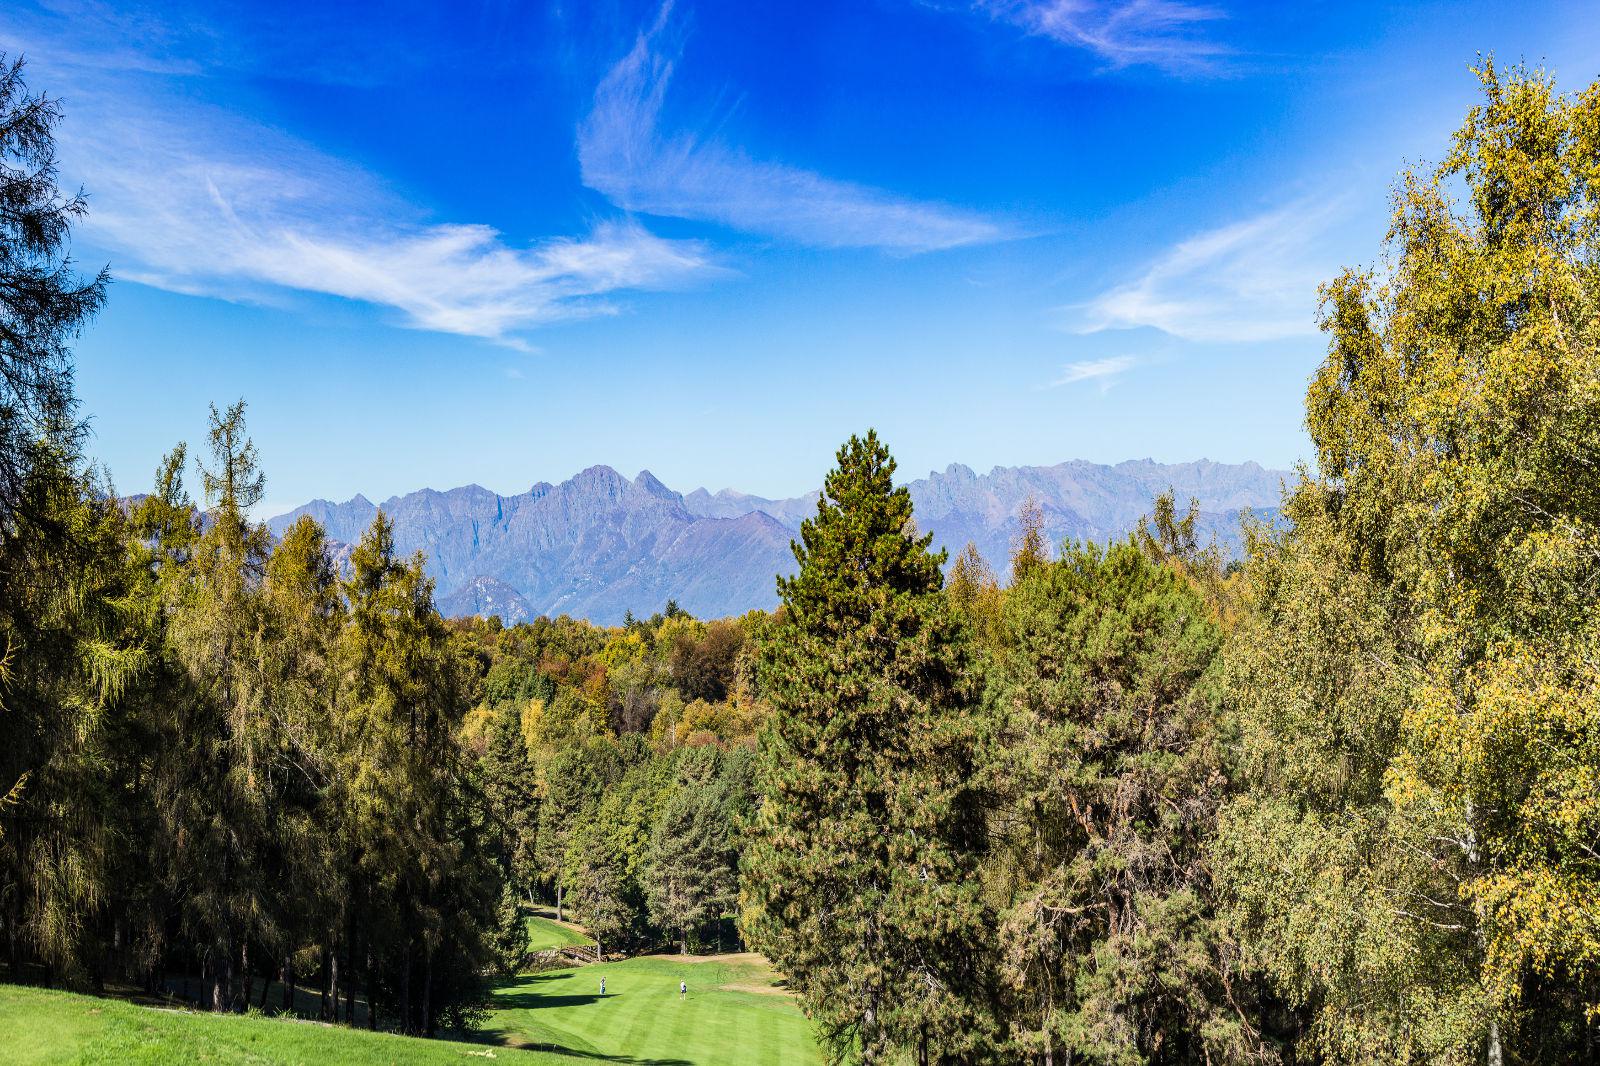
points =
(974, 593)
(44, 302)
(859, 880)
(301, 613)
(214, 630)
(65, 658)
(1029, 549)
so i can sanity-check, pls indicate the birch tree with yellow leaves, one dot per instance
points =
(1413, 856)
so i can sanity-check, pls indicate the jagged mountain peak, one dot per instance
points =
(598, 544)
(647, 482)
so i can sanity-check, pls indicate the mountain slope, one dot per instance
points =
(599, 545)
(594, 546)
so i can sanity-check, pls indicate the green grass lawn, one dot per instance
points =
(39, 1027)
(732, 1015)
(544, 934)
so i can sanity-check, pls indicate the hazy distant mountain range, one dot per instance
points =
(599, 545)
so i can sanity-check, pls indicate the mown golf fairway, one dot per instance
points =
(544, 934)
(733, 1015)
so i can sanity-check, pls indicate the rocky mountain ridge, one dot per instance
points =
(600, 544)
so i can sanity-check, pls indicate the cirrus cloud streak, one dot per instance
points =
(626, 155)
(196, 198)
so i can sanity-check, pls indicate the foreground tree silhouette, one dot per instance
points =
(859, 882)
(43, 303)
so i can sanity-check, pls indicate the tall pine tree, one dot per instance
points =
(859, 882)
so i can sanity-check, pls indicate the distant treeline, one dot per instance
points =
(1338, 802)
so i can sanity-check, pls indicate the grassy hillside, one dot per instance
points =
(47, 1028)
(734, 1015)
(545, 934)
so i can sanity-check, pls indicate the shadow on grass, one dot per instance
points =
(512, 1039)
(528, 978)
(536, 1000)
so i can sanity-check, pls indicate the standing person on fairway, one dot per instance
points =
(683, 989)
(602, 986)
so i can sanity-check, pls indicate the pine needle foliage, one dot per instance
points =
(860, 881)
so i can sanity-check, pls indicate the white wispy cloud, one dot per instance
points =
(1252, 280)
(626, 155)
(1167, 34)
(196, 198)
(1105, 371)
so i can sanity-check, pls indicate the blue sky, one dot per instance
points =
(434, 244)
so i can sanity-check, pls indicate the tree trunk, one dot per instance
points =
(372, 1011)
(14, 934)
(1495, 1056)
(350, 963)
(333, 982)
(407, 1024)
(217, 991)
(427, 990)
(558, 899)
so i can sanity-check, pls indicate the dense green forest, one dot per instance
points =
(1335, 801)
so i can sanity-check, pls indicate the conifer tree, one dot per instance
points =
(43, 302)
(67, 653)
(510, 786)
(417, 900)
(73, 659)
(975, 594)
(214, 631)
(599, 893)
(688, 868)
(859, 880)
(1107, 777)
(1029, 550)
(300, 618)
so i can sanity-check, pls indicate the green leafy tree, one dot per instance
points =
(703, 665)
(859, 879)
(1412, 861)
